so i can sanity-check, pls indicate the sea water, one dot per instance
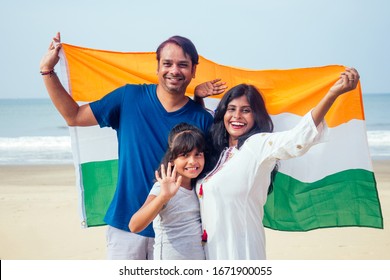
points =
(33, 132)
(377, 115)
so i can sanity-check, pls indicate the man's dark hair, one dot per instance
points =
(186, 44)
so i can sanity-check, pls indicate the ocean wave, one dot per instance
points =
(36, 150)
(58, 150)
(379, 138)
(379, 143)
(32, 142)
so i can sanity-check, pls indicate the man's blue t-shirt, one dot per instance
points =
(142, 125)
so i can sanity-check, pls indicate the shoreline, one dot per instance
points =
(40, 221)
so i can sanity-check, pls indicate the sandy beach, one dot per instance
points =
(40, 221)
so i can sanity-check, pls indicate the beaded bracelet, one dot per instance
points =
(50, 73)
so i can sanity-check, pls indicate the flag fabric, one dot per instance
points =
(332, 185)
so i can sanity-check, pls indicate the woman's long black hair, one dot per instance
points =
(218, 136)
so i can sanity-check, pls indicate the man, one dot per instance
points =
(142, 116)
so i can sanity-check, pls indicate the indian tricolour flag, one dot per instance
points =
(332, 185)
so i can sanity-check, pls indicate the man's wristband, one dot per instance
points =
(50, 73)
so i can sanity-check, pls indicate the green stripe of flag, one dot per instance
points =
(99, 182)
(347, 198)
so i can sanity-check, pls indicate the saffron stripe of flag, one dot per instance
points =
(332, 185)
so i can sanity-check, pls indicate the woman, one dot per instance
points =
(233, 194)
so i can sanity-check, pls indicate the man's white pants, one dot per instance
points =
(124, 245)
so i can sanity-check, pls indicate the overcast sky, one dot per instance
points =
(256, 34)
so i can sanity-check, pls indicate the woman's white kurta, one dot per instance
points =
(233, 198)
